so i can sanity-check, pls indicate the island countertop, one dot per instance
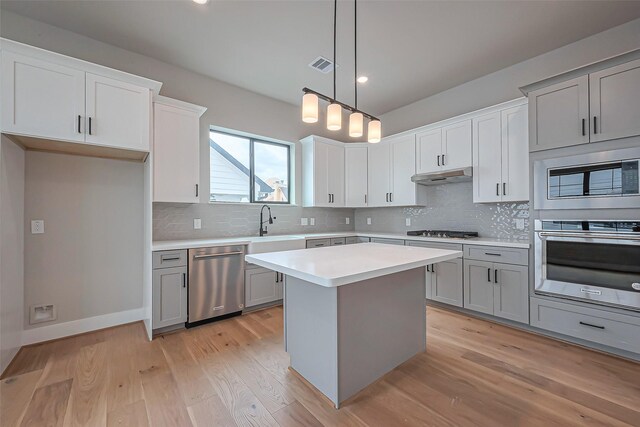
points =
(340, 265)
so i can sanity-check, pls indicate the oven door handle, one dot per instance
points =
(589, 235)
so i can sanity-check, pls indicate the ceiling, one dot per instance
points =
(408, 49)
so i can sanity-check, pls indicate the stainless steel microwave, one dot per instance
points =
(609, 179)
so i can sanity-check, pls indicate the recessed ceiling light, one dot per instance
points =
(363, 79)
(201, 1)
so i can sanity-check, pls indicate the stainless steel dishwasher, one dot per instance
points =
(216, 282)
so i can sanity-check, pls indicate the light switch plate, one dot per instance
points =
(304, 221)
(407, 222)
(368, 221)
(197, 223)
(37, 226)
(348, 220)
(312, 221)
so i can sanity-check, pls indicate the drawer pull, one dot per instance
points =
(163, 259)
(492, 254)
(591, 326)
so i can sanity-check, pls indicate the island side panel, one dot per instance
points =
(311, 334)
(381, 324)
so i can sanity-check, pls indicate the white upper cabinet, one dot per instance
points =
(117, 113)
(355, 163)
(176, 151)
(444, 148)
(322, 172)
(50, 97)
(41, 99)
(501, 156)
(559, 115)
(379, 175)
(615, 102)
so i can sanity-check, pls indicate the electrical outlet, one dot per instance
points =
(407, 222)
(368, 221)
(347, 220)
(304, 221)
(519, 223)
(312, 221)
(37, 226)
(42, 313)
(197, 223)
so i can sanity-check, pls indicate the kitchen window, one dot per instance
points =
(248, 170)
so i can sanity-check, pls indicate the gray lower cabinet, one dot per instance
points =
(169, 296)
(338, 241)
(387, 241)
(318, 243)
(444, 279)
(497, 289)
(262, 286)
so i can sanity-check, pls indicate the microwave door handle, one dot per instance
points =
(589, 235)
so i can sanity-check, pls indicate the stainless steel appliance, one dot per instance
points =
(444, 233)
(216, 282)
(608, 179)
(445, 177)
(592, 261)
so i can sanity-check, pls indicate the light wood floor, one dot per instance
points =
(234, 372)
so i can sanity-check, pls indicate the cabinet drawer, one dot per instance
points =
(436, 245)
(338, 241)
(387, 241)
(352, 240)
(603, 327)
(166, 259)
(318, 243)
(497, 254)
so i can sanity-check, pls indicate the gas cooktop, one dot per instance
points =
(447, 234)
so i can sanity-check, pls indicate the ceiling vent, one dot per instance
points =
(322, 64)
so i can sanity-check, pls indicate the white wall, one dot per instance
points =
(89, 260)
(503, 85)
(12, 170)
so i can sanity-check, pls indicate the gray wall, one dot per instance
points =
(12, 160)
(175, 221)
(503, 85)
(450, 207)
(88, 261)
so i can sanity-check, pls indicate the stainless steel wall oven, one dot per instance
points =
(593, 261)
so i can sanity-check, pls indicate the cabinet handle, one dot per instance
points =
(495, 276)
(282, 277)
(163, 259)
(583, 127)
(329, 195)
(90, 125)
(595, 126)
(386, 197)
(492, 254)
(438, 159)
(433, 268)
(428, 268)
(504, 188)
(497, 188)
(79, 118)
(277, 277)
(391, 197)
(489, 275)
(365, 198)
(197, 190)
(443, 160)
(184, 280)
(591, 326)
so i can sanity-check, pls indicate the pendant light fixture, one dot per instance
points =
(335, 107)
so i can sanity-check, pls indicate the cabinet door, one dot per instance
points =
(355, 161)
(169, 297)
(487, 144)
(261, 286)
(447, 284)
(335, 174)
(41, 99)
(515, 154)
(321, 174)
(559, 115)
(511, 299)
(176, 154)
(456, 145)
(478, 286)
(403, 167)
(429, 280)
(429, 151)
(117, 113)
(378, 174)
(615, 102)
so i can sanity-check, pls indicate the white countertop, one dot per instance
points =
(340, 265)
(203, 243)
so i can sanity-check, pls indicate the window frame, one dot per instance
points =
(252, 175)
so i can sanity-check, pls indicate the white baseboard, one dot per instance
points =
(74, 327)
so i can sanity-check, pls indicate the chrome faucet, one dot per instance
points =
(263, 228)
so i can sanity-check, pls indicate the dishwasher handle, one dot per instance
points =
(195, 257)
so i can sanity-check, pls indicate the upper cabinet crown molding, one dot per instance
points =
(164, 100)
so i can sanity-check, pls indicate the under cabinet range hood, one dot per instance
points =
(443, 177)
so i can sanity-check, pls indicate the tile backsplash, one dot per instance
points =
(174, 221)
(450, 207)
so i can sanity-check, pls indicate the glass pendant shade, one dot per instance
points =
(356, 125)
(310, 108)
(334, 117)
(375, 131)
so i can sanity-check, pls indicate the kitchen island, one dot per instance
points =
(352, 313)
